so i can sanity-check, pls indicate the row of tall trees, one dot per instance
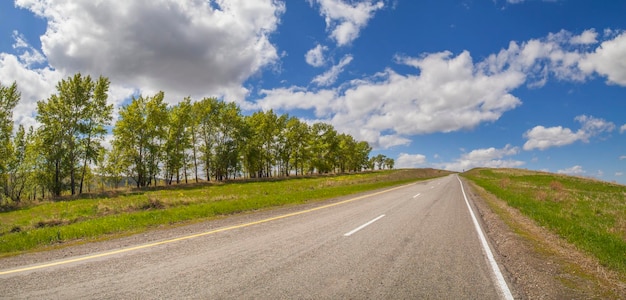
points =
(212, 140)
(153, 142)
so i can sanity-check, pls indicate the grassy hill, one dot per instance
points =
(587, 213)
(72, 220)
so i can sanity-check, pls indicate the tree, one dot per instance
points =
(139, 135)
(324, 145)
(114, 167)
(297, 143)
(9, 97)
(346, 149)
(16, 179)
(389, 162)
(379, 160)
(227, 143)
(97, 114)
(194, 118)
(178, 140)
(206, 113)
(72, 124)
(361, 156)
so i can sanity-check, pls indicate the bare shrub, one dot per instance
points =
(556, 186)
(541, 195)
(505, 182)
(153, 203)
(49, 223)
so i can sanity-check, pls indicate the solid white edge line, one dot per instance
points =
(363, 226)
(504, 288)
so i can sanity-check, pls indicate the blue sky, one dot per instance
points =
(444, 84)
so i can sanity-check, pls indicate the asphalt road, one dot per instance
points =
(413, 242)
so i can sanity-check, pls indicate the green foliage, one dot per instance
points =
(588, 213)
(178, 140)
(9, 97)
(154, 142)
(140, 135)
(72, 125)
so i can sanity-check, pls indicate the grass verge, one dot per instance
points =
(586, 213)
(53, 223)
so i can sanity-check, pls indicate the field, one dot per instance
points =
(51, 224)
(587, 213)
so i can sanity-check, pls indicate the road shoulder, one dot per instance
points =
(539, 264)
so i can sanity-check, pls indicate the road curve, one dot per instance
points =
(413, 242)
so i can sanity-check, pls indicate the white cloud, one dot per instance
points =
(406, 160)
(622, 157)
(29, 55)
(34, 85)
(608, 60)
(539, 58)
(543, 138)
(346, 19)
(622, 129)
(315, 56)
(594, 126)
(452, 92)
(330, 76)
(585, 38)
(184, 48)
(575, 170)
(489, 158)
(322, 101)
(619, 174)
(449, 94)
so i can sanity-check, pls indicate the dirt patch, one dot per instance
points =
(538, 263)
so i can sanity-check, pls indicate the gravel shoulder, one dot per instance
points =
(539, 264)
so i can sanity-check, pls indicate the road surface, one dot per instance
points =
(412, 242)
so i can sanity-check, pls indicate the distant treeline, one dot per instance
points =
(191, 141)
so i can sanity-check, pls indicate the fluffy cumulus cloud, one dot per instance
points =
(543, 138)
(450, 93)
(406, 160)
(345, 19)
(34, 85)
(585, 38)
(294, 98)
(558, 54)
(315, 56)
(622, 129)
(489, 158)
(608, 60)
(183, 47)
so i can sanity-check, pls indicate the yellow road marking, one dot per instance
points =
(104, 254)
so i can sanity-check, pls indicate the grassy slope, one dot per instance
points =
(587, 213)
(51, 223)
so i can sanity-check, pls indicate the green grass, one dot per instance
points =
(54, 223)
(587, 213)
